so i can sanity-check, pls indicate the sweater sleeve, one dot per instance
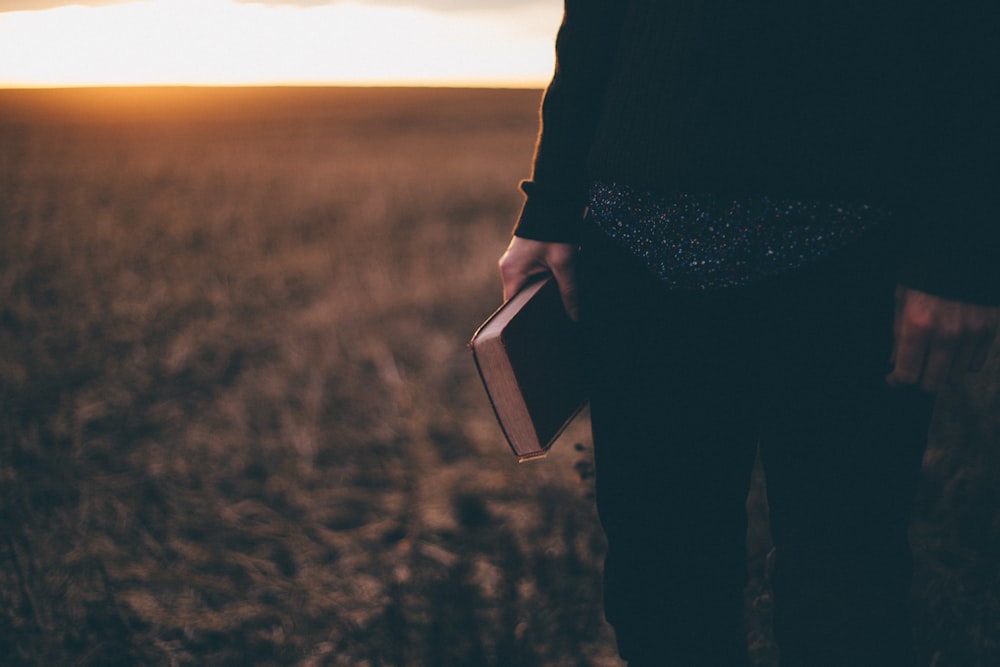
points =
(555, 195)
(954, 226)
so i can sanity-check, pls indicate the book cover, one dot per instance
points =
(528, 356)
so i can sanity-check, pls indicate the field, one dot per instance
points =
(239, 424)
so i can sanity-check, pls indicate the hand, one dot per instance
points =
(937, 340)
(526, 258)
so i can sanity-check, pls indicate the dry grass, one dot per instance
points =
(239, 424)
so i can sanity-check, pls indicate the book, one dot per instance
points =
(528, 357)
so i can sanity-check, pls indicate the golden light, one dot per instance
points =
(224, 42)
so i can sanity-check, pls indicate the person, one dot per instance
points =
(776, 223)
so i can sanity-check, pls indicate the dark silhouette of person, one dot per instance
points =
(777, 225)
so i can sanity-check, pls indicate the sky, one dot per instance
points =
(46, 43)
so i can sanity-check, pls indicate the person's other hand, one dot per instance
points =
(937, 340)
(526, 258)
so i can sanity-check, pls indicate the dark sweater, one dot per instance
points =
(889, 102)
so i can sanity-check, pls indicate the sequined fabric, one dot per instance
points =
(703, 243)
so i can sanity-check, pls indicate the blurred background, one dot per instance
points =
(239, 424)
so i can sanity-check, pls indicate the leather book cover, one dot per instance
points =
(528, 356)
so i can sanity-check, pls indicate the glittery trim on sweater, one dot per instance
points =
(704, 243)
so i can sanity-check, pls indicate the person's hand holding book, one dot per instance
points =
(527, 258)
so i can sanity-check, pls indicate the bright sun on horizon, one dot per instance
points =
(276, 42)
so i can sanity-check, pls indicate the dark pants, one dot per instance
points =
(686, 386)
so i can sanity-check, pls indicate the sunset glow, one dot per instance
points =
(224, 42)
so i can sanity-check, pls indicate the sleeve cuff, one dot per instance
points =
(555, 217)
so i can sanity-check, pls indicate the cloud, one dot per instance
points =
(30, 5)
(434, 5)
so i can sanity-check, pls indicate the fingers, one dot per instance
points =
(973, 354)
(909, 353)
(565, 275)
(942, 360)
(938, 340)
(523, 260)
(526, 258)
(515, 276)
(987, 338)
(981, 351)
